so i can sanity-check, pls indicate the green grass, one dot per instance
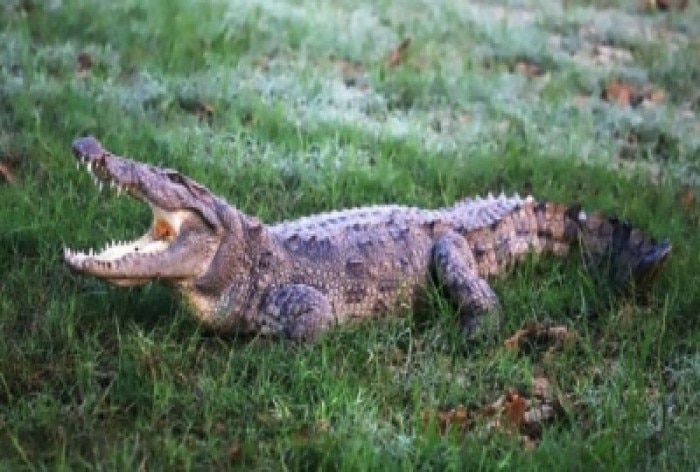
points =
(97, 377)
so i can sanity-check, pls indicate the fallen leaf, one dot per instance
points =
(196, 106)
(494, 408)
(513, 342)
(687, 199)
(621, 94)
(538, 332)
(323, 426)
(465, 118)
(558, 333)
(655, 97)
(514, 409)
(541, 388)
(529, 69)
(396, 56)
(653, 394)
(219, 428)
(248, 120)
(312, 432)
(235, 452)
(515, 413)
(528, 443)
(25, 6)
(538, 415)
(83, 64)
(452, 419)
(607, 55)
(7, 173)
(665, 5)
(351, 71)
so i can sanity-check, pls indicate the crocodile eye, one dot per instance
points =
(176, 177)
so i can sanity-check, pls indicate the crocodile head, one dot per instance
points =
(180, 243)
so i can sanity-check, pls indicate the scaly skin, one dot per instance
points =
(299, 278)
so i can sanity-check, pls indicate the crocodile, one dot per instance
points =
(298, 278)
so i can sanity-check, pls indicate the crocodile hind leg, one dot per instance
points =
(296, 311)
(455, 267)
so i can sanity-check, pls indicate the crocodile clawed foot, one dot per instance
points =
(649, 266)
(481, 327)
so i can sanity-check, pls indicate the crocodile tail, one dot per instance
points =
(631, 258)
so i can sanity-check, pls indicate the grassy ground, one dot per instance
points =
(293, 107)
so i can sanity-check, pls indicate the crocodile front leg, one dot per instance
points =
(296, 311)
(455, 267)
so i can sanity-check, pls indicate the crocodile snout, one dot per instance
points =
(87, 147)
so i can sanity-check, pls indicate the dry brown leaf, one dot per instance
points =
(529, 69)
(235, 452)
(653, 393)
(541, 388)
(537, 415)
(581, 101)
(302, 437)
(514, 409)
(520, 416)
(263, 63)
(196, 106)
(513, 342)
(494, 408)
(514, 413)
(248, 120)
(25, 6)
(396, 56)
(351, 71)
(266, 418)
(538, 332)
(7, 173)
(687, 199)
(219, 428)
(607, 55)
(528, 443)
(655, 97)
(665, 5)
(323, 426)
(446, 420)
(311, 432)
(83, 64)
(620, 93)
(465, 118)
(559, 333)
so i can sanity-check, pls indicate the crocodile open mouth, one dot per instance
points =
(122, 260)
